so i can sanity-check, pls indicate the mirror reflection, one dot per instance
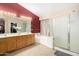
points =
(10, 23)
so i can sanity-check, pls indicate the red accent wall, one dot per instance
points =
(19, 10)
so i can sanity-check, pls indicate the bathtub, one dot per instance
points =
(45, 40)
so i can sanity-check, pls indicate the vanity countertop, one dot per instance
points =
(13, 34)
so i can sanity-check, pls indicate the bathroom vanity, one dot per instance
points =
(15, 41)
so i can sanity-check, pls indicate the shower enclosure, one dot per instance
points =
(60, 29)
(65, 31)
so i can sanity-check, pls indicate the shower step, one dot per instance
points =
(59, 53)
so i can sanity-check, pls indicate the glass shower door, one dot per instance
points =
(60, 30)
(74, 32)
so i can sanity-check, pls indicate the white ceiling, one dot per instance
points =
(44, 9)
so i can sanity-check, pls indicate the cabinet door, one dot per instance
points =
(21, 42)
(74, 32)
(24, 40)
(31, 39)
(11, 43)
(60, 26)
(3, 45)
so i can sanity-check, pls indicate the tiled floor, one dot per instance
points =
(33, 50)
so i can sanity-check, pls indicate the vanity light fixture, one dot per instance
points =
(12, 14)
(1, 11)
(7, 13)
(27, 18)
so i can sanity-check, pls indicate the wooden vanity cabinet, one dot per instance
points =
(25, 40)
(11, 43)
(3, 45)
(16, 42)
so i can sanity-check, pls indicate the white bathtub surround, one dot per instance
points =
(45, 40)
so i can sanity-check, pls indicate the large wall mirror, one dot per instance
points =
(10, 23)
